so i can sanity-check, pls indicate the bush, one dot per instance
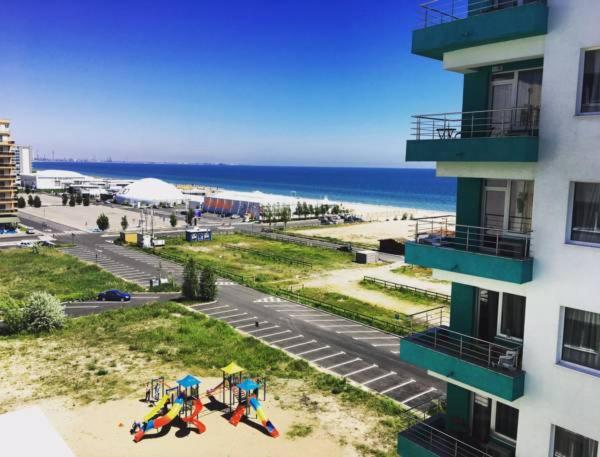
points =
(86, 200)
(72, 201)
(42, 312)
(189, 288)
(65, 199)
(208, 285)
(30, 200)
(21, 202)
(12, 314)
(79, 199)
(102, 222)
(124, 223)
(37, 202)
(173, 219)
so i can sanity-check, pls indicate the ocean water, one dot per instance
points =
(403, 187)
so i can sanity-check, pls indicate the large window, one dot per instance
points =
(569, 444)
(506, 420)
(590, 82)
(585, 212)
(581, 338)
(512, 316)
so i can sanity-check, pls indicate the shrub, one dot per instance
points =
(12, 314)
(79, 199)
(173, 219)
(208, 285)
(86, 200)
(21, 202)
(72, 201)
(124, 223)
(65, 199)
(37, 202)
(30, 200)
(102, 222)
(189, 288)
(42, 312)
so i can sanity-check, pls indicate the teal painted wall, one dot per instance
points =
(468, 201)
(408, 448)
(463, 308)
(458, 410)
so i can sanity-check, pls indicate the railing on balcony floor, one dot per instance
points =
(522, 121)
(437, 12)
(443, 231)
(495, 356)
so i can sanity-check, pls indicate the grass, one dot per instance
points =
(298, 430)
(110, 355)
(404, 295)
(415, 271)
(24, 271)
(255, 263)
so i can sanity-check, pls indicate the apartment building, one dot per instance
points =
(521, 355)
(23, 161)
(8, 190)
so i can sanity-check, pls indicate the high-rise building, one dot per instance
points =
(521, 354)
(23, 161)
(8, 189)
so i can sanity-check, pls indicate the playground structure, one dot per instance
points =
(239, 396)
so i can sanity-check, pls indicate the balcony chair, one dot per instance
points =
(509, 360)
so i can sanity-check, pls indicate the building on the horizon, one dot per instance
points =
(521, 355)
(23, 161)
(8, 189)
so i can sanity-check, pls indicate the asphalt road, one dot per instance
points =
(84, 308)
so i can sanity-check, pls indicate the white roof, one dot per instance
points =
(268, 199)
(59, 174)
(151, 190)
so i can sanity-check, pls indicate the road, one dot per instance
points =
(360, 353)
(84, 308)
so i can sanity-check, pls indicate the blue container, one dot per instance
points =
(194, 235)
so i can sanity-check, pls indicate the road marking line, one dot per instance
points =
(395, 352)
(344, 363)
(410, 381)
(327, 357)
(250, 325)
(378, 378)
(222, 312)
(360, 371)
(358, 331)
(299, 344)
(313, 350)
(243, 320)
(306, 315)
(263, 329)
(384, 345)
(283, 310)
(376, 338)
(81, 306)
(233, 315)
(287, 339)
(216, 307)
(341, 325)
(278, 333)
(418, 395)
(326, 320)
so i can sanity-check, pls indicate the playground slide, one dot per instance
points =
(162, 420)
(237, 414)
(263, 418)
(157, 407)
(193, 418)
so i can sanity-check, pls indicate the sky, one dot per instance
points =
(303, 82)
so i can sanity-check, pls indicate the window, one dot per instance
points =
(585, 213)
(569, 444)
(589, 101)
(512, 318)
(581, 338)
(506, 420)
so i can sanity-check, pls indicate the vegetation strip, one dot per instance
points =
(278, 258)
(403, 287)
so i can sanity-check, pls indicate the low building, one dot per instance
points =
(55, 179)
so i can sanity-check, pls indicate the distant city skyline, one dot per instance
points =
(255, 82)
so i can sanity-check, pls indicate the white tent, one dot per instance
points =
(150, 191)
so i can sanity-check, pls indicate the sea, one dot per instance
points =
(400, 187)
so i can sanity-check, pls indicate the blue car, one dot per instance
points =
(114, 295)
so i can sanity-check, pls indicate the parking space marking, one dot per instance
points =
(234, 315)
(251, 325)
(263, 329)
(216, 307)
(395, 352)
(287, 339)
(306, 315)
(357, 331)
(384, 345)
(376, 338)
(275, 334)
(431, 389)
(340, 325)
(300, 344)
(313, 350)
(379, 377)
(344, 363)
(222, 312)
(327, 357)
(243, 320)
(410, 381)
(326, 320)
(360, 371)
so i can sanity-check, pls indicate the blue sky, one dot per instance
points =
(254, 82)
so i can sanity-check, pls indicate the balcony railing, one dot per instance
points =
(521, 121)
(514, 242)
(437, 12)
(484, 353)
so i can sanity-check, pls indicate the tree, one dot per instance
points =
(173, 219)
(268, 214)
(86, 200)
(37, 202)
(30, 200)
(310, 210)
(285, 215)
(79, 199)
(71, 201)
(65, 199)
(335, 209)
(42, 312)
(21, 202)
(27, 190)
(189, 287)
(102, 222)
(298, 209)
(207, 290)
(124, 223)
(189, 216)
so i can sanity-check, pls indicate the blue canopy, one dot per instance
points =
(248, 385)
(188, 381)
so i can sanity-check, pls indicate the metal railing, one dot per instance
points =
(518, 121)
(485, 353)
(437, 12)
(444, 232)
(403, 287)
(434, 317)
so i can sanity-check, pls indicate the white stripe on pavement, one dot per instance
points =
(243, 320)
(275, 334)
(216, 307)
(418, 395)
(410, 381)
(222, 312)
(300, 344)
(287, 339)
(327, 357)
(250, 325)
(358, 331)
(360, 371)
(340, 325)
(313, 350)
(383, 345)
(376, 338)
(262, 329)
(344, 363)
(234, 315)
(378, 378)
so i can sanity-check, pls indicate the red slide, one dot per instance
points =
(237, 414)
(193, 418)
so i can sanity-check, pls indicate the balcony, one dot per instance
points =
(449, 25)
(490, 367)
(486, 252)
(426, 438)
(505, 135)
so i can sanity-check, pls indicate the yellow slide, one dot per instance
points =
(157, 407)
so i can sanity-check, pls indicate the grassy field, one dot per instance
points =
(415, 271)
(405, 295)
(262, 260)
(109, 356)
(24, 271)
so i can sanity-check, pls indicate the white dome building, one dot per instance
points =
(150, 191)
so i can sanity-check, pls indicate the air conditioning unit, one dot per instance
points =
(496, 450)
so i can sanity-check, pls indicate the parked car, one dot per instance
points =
(30, 231)
(26, 244)
(114, 295)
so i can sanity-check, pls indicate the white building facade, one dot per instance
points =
(23, 157)
(521, 355)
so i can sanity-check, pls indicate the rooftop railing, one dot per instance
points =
(437, 12)
(522, 121)
(442, 231)
(481, 352)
